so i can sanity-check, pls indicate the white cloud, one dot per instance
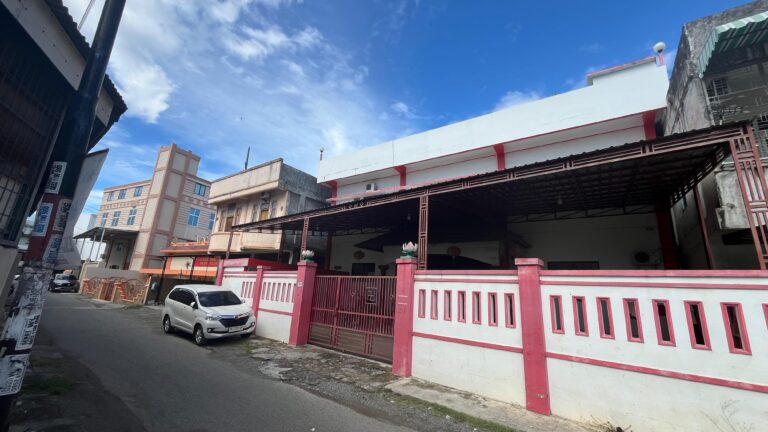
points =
(403, 109)
(221, 77)
(517, 97)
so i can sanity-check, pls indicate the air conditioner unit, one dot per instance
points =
(646, 258)
(370, 187)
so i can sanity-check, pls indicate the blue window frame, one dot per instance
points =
(210, 222)
(110, 196)
(115, 218)
(104, 217)
(137, 191)
(121, 194)
(194, 216)
(200, 189)
(131, 217)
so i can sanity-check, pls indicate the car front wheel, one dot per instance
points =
(167, 327)
(199, 336)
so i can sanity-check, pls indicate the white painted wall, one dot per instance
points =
(592, 239)
(631, 91)
(650, 402)
(488, 372)
(278, 290)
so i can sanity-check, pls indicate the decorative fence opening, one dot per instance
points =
(354, 314)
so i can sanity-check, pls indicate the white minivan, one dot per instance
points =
(207, 312)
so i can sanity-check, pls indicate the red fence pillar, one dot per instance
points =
(302, 303)
(403, 332)
(666, 237)
(257, 292)
(534, 346)
(220, 272)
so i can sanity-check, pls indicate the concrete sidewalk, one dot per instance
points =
(312, 366)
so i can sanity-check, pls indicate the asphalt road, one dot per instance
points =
(172, 385)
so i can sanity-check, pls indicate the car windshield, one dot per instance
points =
(218, 298)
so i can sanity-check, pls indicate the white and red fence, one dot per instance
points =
(657, 350)
(270, 294)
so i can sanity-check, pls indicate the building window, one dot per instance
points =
(697, 325)
(201, 189)
(605, 318)
(665, 332)
(211, 221)
(104, 217)
(633, 321)
(137, 191)
(509, 308)
(121, 194)
(110, 196)
(194, 216)
(115, 218)
(716, 88)
(556, 311)
(580, 316)
(735, 330)
(462, 306)
(131, 217)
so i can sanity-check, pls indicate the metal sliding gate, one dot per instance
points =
(354, 314)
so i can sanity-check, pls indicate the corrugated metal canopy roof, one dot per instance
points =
(735, 34)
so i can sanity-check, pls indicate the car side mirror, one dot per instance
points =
(193, 305)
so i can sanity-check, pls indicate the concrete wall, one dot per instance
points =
(602, 374)
(453, 353)
(273, 318)
(651, 401)
(611, 240)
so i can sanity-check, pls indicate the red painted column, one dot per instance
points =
(666, 237)
(403, 335)
(257, 291)
(302, 303)
(534, 345)
(501, 160)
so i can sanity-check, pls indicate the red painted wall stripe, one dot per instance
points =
(468, 342)
(625, 284)
(276, 311)
(661, 372)
(465, 280)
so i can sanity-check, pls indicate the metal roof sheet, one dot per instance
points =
(735, 34)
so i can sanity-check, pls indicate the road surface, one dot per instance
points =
(172, 385)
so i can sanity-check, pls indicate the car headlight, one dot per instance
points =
(211, 317)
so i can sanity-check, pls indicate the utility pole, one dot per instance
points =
(67, 159)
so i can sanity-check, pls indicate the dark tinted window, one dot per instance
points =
(218, 298)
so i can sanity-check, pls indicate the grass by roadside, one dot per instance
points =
(413, 402)
(52, 385)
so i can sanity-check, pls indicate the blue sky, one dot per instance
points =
(287, 77)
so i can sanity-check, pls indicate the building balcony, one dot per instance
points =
(244, 242)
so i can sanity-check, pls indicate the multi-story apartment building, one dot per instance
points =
(719, 77)
(142, 218)
(272, 189)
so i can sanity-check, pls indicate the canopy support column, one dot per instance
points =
(304, 234)
(751, 176)
(423, 227)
